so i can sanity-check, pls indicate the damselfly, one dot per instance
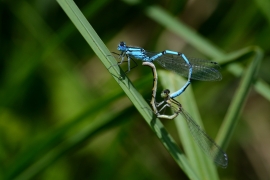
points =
(191, 68)
(207, 144)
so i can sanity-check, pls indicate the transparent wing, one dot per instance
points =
(202, 70)
(208, 146)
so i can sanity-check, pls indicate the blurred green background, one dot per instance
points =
(63, 116)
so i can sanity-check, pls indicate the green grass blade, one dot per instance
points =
(201, 164)
(233, 113)
(237, 104)
(200, 43)
(42, 33)
(67, 145)
(264, 6)
(41, 146)
(263, 88)
(104, 54)
(260, 86)
(179, 28)
(56, 136)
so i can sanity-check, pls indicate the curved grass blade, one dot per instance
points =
(199, 42)
(239, 99)
(201, 164)
(108, 60)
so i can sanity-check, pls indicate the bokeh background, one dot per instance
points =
(63, 116)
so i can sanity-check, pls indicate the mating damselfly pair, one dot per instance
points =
(192, 69)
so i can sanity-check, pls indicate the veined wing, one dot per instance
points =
(208, 146)
(202, 70)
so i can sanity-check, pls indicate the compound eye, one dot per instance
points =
(122, 43)
(167, 91)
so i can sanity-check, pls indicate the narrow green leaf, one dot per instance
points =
(200, 43)
(237, 104)
(39, 148)
(175, 25)
(66, 146)
(203, 166)
(108, 60)
(264, 6)
(231, 119)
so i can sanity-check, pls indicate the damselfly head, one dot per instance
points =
(121, 46)
(165, 93)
